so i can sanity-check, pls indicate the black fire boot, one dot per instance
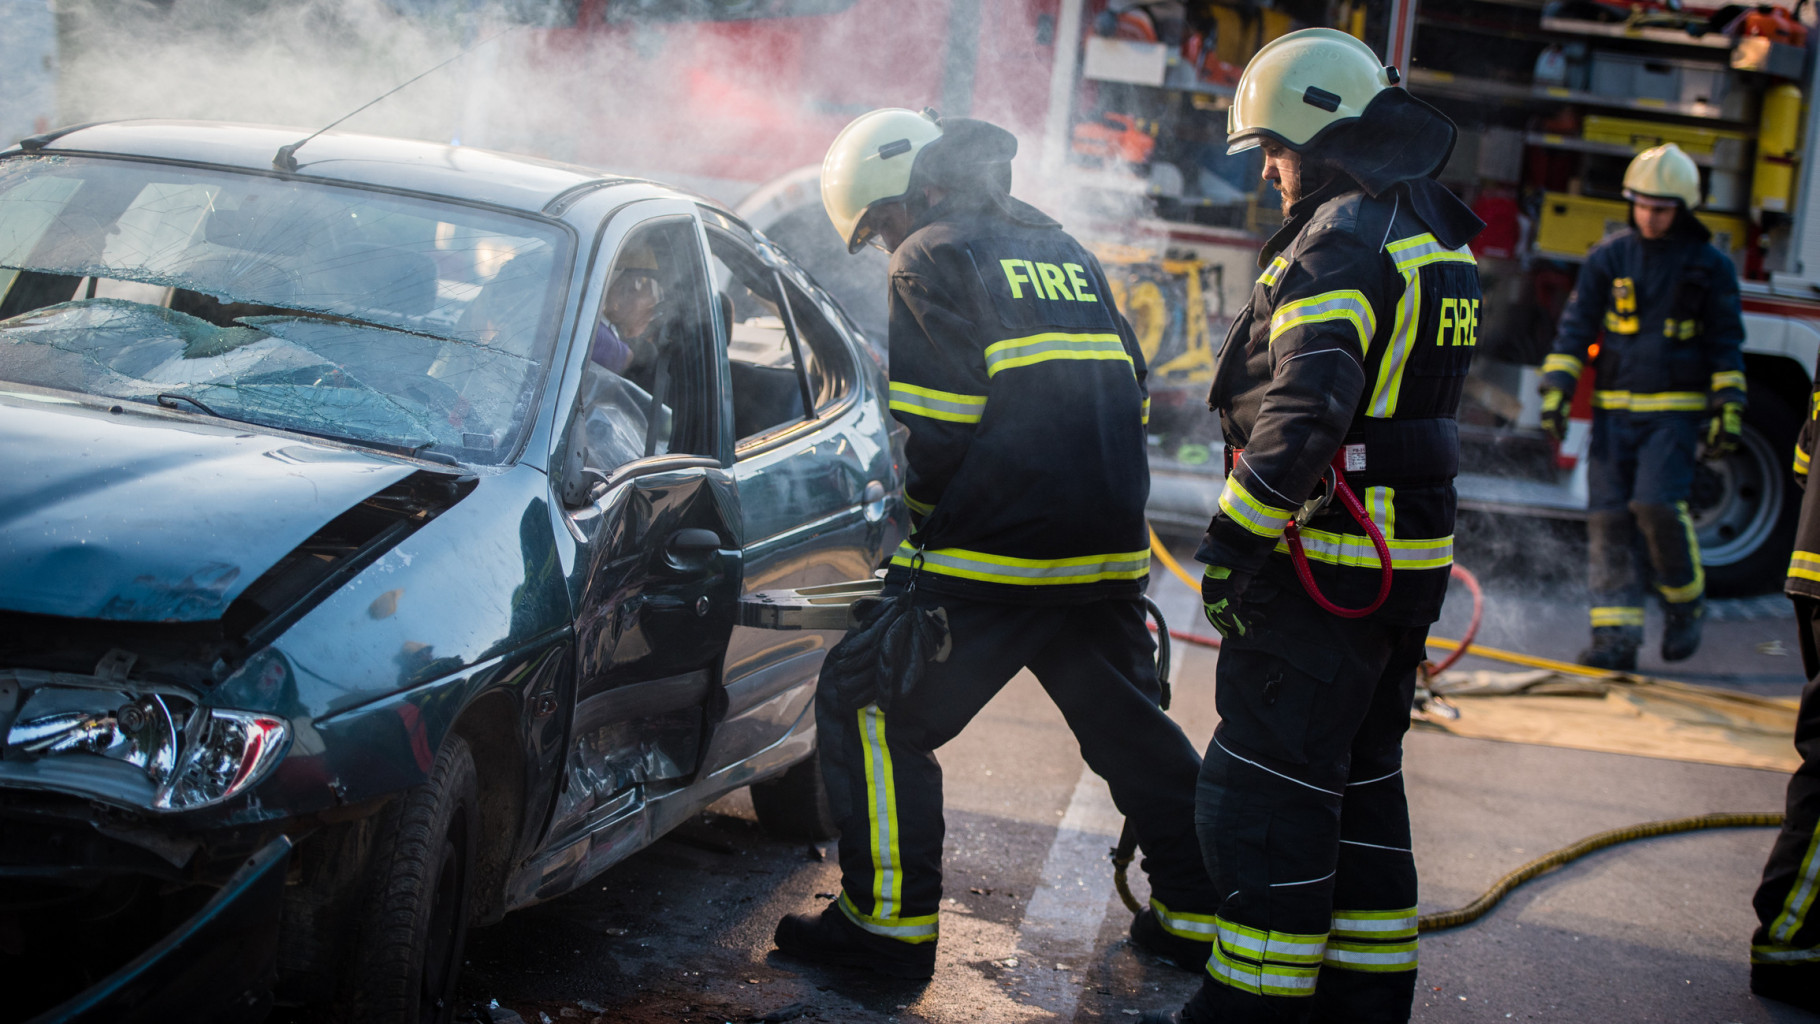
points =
(832, 938)
(1149, 935)
(1166, 1017)
(1682, 636)
(1794, 984)
(1614, 648)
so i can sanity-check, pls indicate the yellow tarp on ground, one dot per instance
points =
(1622, 715)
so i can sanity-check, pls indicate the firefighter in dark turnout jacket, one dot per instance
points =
(1785, 951)
(1354, 349)
(1668, 365)
(1023, 391)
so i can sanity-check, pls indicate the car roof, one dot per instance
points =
(458, 172)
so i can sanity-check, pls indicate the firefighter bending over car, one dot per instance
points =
(1023, 391)
(1669, 365)
(1347, 364)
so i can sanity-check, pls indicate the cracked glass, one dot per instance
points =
(379, 319)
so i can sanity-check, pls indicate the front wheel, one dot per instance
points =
(414, 921)
(1744, 506)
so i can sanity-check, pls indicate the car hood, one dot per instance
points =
(140, 515)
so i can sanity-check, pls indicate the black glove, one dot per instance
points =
(883, 657)
(1220, 590)
(1725, 430)
(1554, 413)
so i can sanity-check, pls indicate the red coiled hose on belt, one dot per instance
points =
(1293, 535)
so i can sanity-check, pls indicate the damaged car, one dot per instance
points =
(374, 531)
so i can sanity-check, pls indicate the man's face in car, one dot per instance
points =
(632, 302)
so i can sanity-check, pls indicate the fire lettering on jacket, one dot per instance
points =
(1459, 322)
(1047, 280)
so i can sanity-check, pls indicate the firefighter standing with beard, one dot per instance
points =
(1352, 353)
(1669, 365)
(1023, 391)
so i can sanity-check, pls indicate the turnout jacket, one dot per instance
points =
(1359, 333)
(1672, 322)
(1023, 391)
(1804, 566)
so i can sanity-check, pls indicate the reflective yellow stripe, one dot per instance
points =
(1800, 896)
(1691, 590)
(1261, 979)
(1389, 386)
(1728, 379)
(937, 405)
(1617, 616)
(1273, 272)
(988, 568)
(1805, 565)
(1375, 924)
(1198, 927)
(1039, 348)
(1261, 519)
(1146, 410)
(1561, 362)
(906, 929)
(921, 508)
(1371, 957)
(1348, 304)
(1423, 249)
(1356, 550)
(1661, 401)
(1272, 946)
(1621, 324)
(1776, 954)
(881, 815)
(1801, 461)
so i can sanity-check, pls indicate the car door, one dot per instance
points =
(813, 467)
(640, 469)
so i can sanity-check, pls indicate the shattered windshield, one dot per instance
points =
(335, 311)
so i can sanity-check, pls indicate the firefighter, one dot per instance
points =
(1023, 392)
(1785, 950)
(1352, 354)
(1669, 365)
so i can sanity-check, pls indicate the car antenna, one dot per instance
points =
(286, 158)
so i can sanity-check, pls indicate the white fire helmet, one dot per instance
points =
(1663, 172)
(869, 163)
(1301, 84)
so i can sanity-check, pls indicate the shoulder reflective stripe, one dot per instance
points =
(1694, 588)
(1728, 379)
(1661, 401)
(1423, 249)
(989, 568)
(1374, 924)
(1261, 519)
(1276, 947)
(1038, 348)
(1374, 957)
(1356, 550)
(1273, 272)
(905, 929)
(1617, 616)
(919, 507)
(1198, 927)
(1561, 362)
(1347, 304)
(1784, 955)
(1261, 979)
(937, 405)
(881, 814)
(1793, 914)
(1389, 387)
(1805, 565)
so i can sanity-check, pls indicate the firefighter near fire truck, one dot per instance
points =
(1022, 388)
(1342, 377)
(1669, 373)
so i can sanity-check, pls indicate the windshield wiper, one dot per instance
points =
(169, 400)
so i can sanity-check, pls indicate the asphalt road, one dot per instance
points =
(1032, 929)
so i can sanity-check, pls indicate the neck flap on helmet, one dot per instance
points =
(1400, 140)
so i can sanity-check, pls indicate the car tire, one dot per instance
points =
(414, 922)
(794, 805)
(1745, 506)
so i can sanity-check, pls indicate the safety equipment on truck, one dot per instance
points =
(1554, 413)
(869, 163)
(1772, 184)
(1725, 430)
(1663, 172)
(1301, 85)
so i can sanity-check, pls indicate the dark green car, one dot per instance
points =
(373, 531)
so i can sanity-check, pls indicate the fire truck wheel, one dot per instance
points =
(794, 805)
(1744, 506)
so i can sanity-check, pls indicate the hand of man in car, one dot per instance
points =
(1554, 413)
(1725, 430)
(1220, 590)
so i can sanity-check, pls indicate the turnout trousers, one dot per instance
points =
(1097, 662)
(1302, 817)
(1640, 470)
(1785, 949)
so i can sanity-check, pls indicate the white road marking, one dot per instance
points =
(1062, 921)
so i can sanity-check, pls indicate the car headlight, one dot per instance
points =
(194, 755)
